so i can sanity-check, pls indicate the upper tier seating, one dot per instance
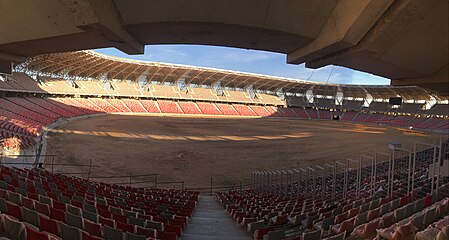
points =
(169, 107)
(189, 108)
(208, 108)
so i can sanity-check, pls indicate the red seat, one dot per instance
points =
(94, 229)
(86, 236)
(368, 229)
(147, 232)
(42, 208)
(49, 225)
(125, 227)
(57, 214)
(60, 206)
(345, 226)
(119, 217)
(106, 221)
(166, 236)
(14, 210)
(173, 229)
(35, 235)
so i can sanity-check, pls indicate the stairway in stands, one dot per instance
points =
(210, 222)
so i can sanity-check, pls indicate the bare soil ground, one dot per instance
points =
(196, 149)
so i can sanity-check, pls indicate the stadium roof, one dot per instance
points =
(406, 41)
(92, 65)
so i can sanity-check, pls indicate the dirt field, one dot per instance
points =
(197, 149)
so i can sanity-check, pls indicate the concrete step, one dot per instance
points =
(210, 221)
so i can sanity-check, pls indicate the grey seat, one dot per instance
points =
(385, 208)
(3, 185)
(373, 204)
(130, 236)
(13, 229)
(73, 210)
(399, 214)
(364, 207)
(395, 203)
(30, 216)
(357, 203)
(69, 232)
(15, 198)
(74, 220)
(274, 235)
(325, 224)
(129, 213)
(409, 210)
(419, 205)
(91, 216)
(41, 192)
(313, 235)
(361, 219)
(418, 221)
(64, 199)
(430, 216)
(136, 221)
(22, 192)
(46, 200)
(115, 210)
(3, 205)
(252, 227)
(90, 208)
(340, 236)
(154, 225)
(112, 234)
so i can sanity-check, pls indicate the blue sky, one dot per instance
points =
(252, 61)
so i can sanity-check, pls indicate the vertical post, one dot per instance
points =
(440, 158)
(432, 189)
(52, 164)
(413, 170)
(90, 168)
(392, 173)
(155, 182)
(334, 182)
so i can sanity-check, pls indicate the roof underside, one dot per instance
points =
(83, 65)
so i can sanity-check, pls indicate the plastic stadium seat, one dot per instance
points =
(57, 214)
(86, 236)
(42, 208)
(14, 210)
(106, 221)
(112, 233)
(94, 229)
(130, 236)
(74, 220)
(30, 216)
(313, 235)
(34, 234)
(166, 235)
(70, 233)
(124, 227)
(11, 228)
(49, 225)
(146, 232)
(173, 229)
(368, 229)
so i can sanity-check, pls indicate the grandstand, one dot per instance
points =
(312, 202)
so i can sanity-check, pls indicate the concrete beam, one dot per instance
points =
(102, 16)
(348, 23)
(11, 57)
(6, 67)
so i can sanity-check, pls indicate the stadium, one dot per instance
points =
(95, 146)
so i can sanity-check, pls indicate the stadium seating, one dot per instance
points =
(36, 204)
(208, 108)
(22, 118)
(189, 108)
(280, 214)
(169, 107)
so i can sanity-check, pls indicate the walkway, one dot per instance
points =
(211, 222)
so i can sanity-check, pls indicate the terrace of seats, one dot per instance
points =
(36, 204)
(287, 209)
(24, 117)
